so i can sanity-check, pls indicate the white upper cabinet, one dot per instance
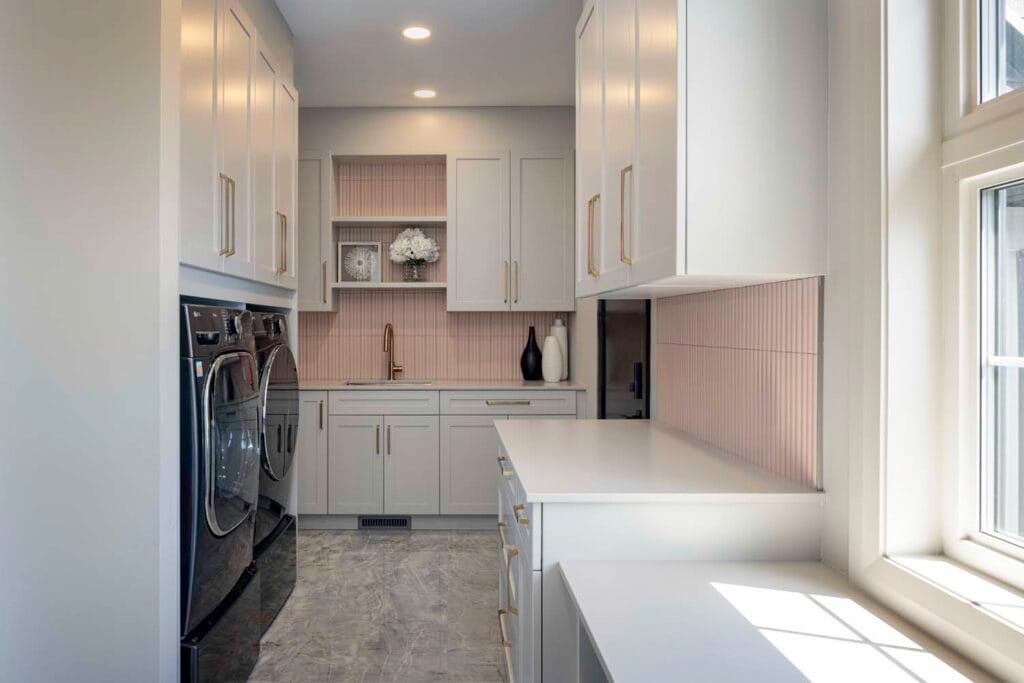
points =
(510, 231)
(313, 232)
(701, 144)
(542, 277)
(238, 148)
(479, 263)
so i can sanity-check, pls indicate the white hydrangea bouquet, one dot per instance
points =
(413, 249)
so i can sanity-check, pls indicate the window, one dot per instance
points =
(1001, 498)
(1001, 36)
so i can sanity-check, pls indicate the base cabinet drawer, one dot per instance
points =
(383, 402)
(509, 403)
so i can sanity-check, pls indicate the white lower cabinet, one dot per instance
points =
(355, 465)
(311, 453)
(469, 449)
(411, 465)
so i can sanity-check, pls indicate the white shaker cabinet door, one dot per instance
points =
(411, 465)
(313, 232)
(589, 148)
(235, 54)
(311, 453)
(355, 468)
(469, 464)
(202, 238)
(264, 220)
(478, 232)
(285, 151)
(542, 231)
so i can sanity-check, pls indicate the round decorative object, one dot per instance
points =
(551, 359)
(413, 272)
(360, 263)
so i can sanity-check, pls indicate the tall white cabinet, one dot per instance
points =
(701, 144)
(313, 232)
(311, 453)
(238, 148)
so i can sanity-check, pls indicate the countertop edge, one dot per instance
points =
(798, 497)
(440, 386)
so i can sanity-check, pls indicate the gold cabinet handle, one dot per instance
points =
(504, 279)
(224, 236)
(520, 517)
(389, 440)
(510, 552)
(505, 642)
(229, 181)
(591, 268)
(376, 446)
(505, 473)
(321, 416)
(515, 282)
(501, 533)
(507, 402)
(625, 258)
(280, 242)
(324, 282)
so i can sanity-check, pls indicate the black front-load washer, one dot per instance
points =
(275, 551)
(220, 585)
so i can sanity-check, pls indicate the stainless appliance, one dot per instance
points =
(275, 551)
(623, 359)
(219, 482)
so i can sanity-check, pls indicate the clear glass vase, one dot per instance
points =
(413, 272)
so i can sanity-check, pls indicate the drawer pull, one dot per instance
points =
(501, 534)
(520, 517)
(510, 552)
(505, 642)
(501, 466)
(507, 402)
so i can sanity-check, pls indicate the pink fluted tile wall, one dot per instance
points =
(739, 369)
(397, 187)
(429, 341)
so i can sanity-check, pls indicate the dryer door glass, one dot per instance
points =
(280, 412)
(232, 441)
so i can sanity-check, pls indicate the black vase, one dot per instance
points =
(529, 362)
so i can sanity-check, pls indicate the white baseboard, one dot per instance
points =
(421, 522)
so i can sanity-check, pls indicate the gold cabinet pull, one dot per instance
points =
(504, 279)
(591, 268)
(280, 243)
(505, 473)
(224, 236)
(625, 258)
(376, 446)
(505, 642)
(515, 282)
(507, 402)
(389, 440)
(321, 416)
(324, 282)
(520, 517)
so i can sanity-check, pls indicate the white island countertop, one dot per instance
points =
(633, 461)
(438, 385)
(746, 621)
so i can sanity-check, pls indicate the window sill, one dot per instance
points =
(978, 616)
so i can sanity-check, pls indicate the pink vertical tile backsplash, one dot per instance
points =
(429, 341)
(738, 368)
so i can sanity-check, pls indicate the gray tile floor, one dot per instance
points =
(388, 606)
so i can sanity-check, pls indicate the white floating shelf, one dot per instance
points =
(389, 285)
(387, 220)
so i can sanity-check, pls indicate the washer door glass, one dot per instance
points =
(232, 441)
(280, 412)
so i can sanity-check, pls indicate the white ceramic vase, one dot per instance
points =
(559, 332)
(551, 360)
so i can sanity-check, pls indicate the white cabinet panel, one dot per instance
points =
(543, 277)
(478, 232)
(285, 151)
(511, 403)
(589, 147)
(411, 465)
(383, 402)
(264, 86)
(234, 77)
(311, 453)
(355, 465)
(469, 469)
(315, 264)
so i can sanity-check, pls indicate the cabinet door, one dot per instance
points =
(264, 221)
(589, 148)
(355, 471)
(314, 228)
(469, 469)
(411, 465)
(542, 232)
(619, 142)
(201, 238)
(285, 151)
(311, 453)
(236, 51)
(478, 232)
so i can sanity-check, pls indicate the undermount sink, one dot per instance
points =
(387, 382)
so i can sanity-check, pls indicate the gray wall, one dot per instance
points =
(86, 300)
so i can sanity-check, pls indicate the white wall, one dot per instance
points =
(89, 411)
(275, 30)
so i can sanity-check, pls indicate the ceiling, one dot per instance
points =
(351, 53)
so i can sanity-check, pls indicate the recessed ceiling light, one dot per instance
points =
(425, 93)
(416, 32)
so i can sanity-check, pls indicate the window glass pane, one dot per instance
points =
(1002, 45)
(1002, 494)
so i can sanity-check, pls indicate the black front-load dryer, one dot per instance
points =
(279, 432)
(219, 484)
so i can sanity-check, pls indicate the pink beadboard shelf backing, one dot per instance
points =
(739, 369)
(429, 341)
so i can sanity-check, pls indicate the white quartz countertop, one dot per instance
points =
(632, 461)
(746, 621)
(442, 385)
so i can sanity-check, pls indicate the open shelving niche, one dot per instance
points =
(376, 197)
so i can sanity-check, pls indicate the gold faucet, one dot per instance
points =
(389, 349)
